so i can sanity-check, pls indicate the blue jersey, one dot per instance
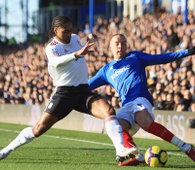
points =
(128, 76)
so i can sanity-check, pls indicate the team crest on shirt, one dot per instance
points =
(111, 68)
(55, 53)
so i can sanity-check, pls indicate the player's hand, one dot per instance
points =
(191, 51)
(85, 49)
(92, 38)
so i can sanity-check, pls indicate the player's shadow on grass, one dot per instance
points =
(173, 150)
(71, 148)
(180, 166)
(79, 148)
(93, 148)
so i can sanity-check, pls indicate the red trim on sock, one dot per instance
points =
(160, 131)
(128, 140)
(111, 118)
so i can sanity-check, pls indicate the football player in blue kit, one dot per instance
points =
(126, 73)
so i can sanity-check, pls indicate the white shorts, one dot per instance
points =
(127, 112)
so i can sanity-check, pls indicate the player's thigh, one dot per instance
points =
(126, 114)
(60, 106)
(126, 119)
(99, 107)
(143, 112)
(144, 119)
(45, 122)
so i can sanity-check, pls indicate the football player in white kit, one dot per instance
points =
(68, 69)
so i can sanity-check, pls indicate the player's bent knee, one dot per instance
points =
(38, 130)
(99, 107)
(108, 110)
(111, 111)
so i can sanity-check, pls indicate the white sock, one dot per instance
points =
(114, 131)
(180, 144)
(25, 136)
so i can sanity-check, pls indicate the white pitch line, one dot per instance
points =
(87, 141)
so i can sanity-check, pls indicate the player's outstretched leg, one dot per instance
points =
(191, 153)
(25, 136)
(114, 131)
(162, 132)
(134, 159)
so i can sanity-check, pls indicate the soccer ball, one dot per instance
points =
(156, 157)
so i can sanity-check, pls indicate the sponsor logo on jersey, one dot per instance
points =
(120, 71)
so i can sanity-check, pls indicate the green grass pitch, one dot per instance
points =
(72, 150)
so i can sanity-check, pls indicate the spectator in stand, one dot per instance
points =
(173, 39)
(185, 43)
(86, 29)
(192, 85)
(158, 101)
(181, 106)
(99, 24)
(192, 106)
(177, 99)
(169, 103)
(188, 97)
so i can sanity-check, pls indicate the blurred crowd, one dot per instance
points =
(23, 71)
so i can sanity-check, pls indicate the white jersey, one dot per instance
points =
(63, 67)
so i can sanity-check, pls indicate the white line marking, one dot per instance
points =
(86, 141)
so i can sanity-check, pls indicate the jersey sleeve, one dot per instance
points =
(54, 57)
(97, 81)
(148, 59)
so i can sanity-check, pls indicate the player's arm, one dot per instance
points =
(148, 59)
(97, 80)
(84, 47)
(55, 59)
